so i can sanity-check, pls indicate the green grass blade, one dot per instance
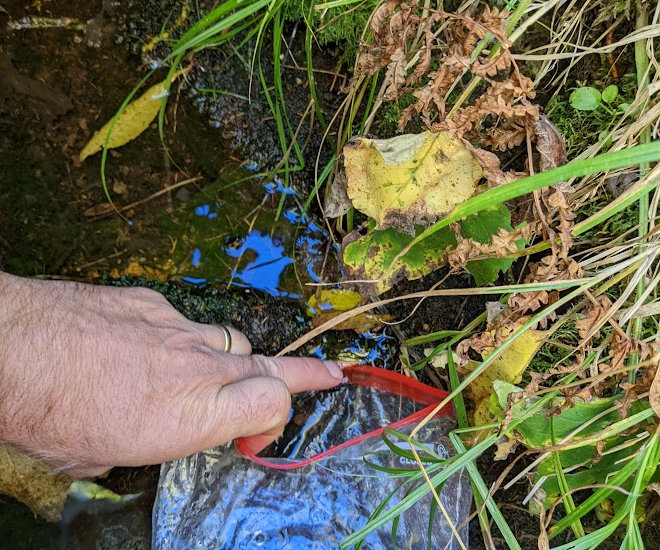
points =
(482, 491)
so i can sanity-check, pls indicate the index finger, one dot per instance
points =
(298, 373)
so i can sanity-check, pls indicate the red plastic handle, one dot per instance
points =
(369, 377)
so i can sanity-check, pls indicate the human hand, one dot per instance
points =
(94, 377)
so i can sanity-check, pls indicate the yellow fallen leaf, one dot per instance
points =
(33, 483)
(509, 366)
(132, 121)
(326, 304)
(334, 299)
(411, 179)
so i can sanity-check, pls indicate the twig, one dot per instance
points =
(149, 198)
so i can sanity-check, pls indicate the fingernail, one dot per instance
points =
(334, 369)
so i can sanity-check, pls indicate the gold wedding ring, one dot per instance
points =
(227, 335)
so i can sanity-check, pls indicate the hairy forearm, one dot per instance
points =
(9, 298)
(26, 393)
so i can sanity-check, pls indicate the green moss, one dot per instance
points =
(342, 25)
(387, 121)
(556, 352)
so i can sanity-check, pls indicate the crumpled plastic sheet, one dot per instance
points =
(220, 500)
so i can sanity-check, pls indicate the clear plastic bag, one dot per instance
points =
(321, 488)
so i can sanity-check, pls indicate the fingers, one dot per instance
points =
(298, 373)
(255, 403)
(214, 338)
(257, 407)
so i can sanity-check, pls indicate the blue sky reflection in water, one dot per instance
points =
(277, 257)
(265, 270)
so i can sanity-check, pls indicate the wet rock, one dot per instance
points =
(50, 102)
(183, 195)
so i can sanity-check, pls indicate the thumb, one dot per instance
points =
(258, 406)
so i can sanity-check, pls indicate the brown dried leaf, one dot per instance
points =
(550, 144)
(593, 314)
(395, 75)
(505, 446)
(336, 201)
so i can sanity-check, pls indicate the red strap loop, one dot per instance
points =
(369, 377)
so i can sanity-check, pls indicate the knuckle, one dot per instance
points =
(142, 292)
(270, 404)
(267, 366)
(199, 360)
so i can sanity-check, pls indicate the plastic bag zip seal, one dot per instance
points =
(380, 379)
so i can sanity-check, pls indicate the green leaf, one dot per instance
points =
(585, 99)
(602, 136)
(481, 227)
(368, 256)
(649, 152)
(536, 430)
(610, 94)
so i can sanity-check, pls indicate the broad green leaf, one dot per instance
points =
(368, 256)
(537, 433)
(610, 94)
(131, 122)
(649, 152)
(585, 99)
(409, 180)
(481, 228)
(596, 469)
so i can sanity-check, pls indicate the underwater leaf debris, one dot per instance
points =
(131, 122)
(329, 303)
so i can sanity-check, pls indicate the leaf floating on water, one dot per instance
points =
(327, 304)
(131, 122)
(411, 179)
(334, 299)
